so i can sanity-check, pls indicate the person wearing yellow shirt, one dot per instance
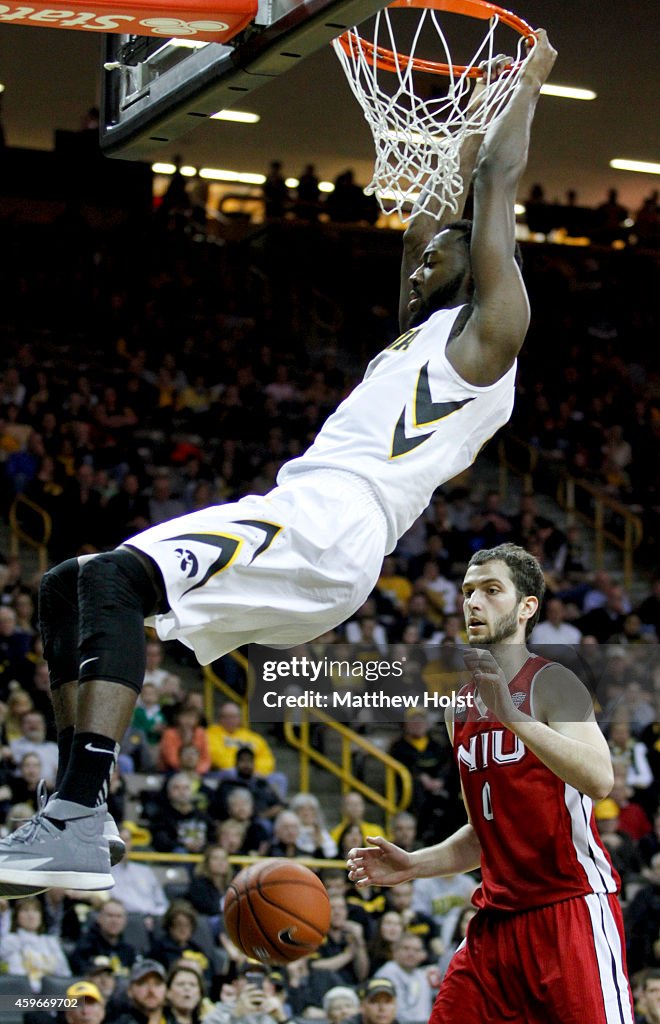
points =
(393, 585)
(228, 736)
(352, 813)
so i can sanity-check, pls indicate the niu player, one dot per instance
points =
(546, 945)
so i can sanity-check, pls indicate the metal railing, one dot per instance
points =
(20, 533)
(397, 778)
(603, 514)
(213, 685)
(397, 782)
(611, 521)
(239, 860)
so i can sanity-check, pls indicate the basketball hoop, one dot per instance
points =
(417, 140)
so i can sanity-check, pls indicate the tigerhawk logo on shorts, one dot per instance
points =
(424, 413)
(228, 547)
(188, 563)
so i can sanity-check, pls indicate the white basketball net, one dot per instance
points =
(418, 141)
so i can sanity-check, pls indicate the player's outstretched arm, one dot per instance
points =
(383, 863)
(496, 330)
(426, 224)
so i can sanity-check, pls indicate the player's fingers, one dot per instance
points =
(494, 67)
(376, 841)
(536, 37)
(358, 852)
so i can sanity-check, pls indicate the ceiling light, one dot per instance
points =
(568, 92)
(643, 166)
(242, 177)
(188, 172)
(291, 182)
(163, 168)
(326, 186)
(2, 88)
(519, 209)
(242, 116)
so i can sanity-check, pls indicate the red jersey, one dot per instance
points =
(538, 835)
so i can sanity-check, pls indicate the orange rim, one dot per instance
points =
(388, 60)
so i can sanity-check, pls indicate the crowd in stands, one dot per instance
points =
(184, 204)
(142, 381)
(345, 204)
(205, 796)
(165, 384)
(607, 223)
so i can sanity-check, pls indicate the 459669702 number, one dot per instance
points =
(10, 1003)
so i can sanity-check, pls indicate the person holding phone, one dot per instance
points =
(255, 997)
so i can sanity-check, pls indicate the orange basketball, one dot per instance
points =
(276, 911)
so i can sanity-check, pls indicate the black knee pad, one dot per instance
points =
(115, 595)
(58, 621)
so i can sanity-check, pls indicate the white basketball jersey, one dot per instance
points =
(412, 423)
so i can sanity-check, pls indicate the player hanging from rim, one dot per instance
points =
(546, 945)
(288, 566)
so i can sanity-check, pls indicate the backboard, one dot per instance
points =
(156, 90)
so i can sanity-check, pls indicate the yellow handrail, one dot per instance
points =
(391, 803)
(633, 529)
(19, 535)
(214, 684)
(568, 488)
(150, 857)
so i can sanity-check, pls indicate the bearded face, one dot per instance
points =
(443, 278)
(445, 296)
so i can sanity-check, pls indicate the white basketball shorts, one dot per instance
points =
(276, 569)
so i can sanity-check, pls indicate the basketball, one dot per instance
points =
(276, 911)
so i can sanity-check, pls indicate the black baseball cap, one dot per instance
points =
(100, 963)
(376, 986)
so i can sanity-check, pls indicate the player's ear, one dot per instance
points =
(529, 607)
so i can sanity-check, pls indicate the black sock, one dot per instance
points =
(64, 741)
(90, 766)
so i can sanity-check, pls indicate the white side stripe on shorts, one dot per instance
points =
(589, 854)
(609, 955)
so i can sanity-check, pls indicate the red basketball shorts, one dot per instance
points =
(561, 964)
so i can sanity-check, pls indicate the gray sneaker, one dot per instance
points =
(17, 892)
(115, 842)
(110, 831)
(62, 846)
